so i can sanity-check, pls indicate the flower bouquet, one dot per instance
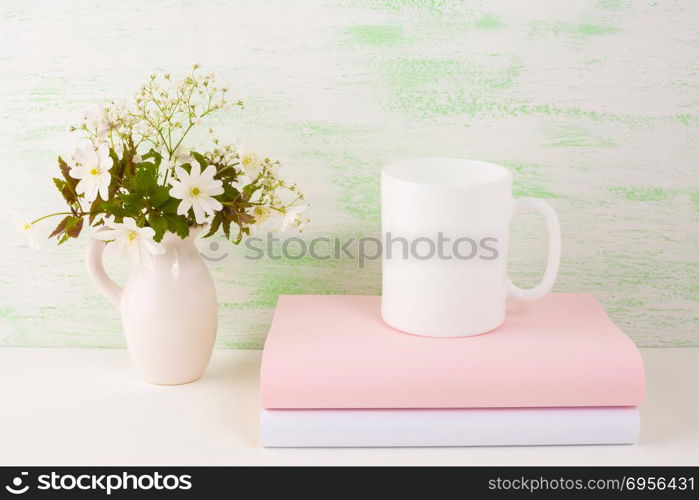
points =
(136, 180)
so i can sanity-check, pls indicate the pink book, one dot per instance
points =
(335, 351)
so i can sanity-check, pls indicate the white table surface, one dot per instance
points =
(86, 407)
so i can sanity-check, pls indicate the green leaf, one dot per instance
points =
(60, 227)
(178, 225)
(115, 208)
(200, 159)
(66, 191)
(118, 172)
(187, 167)
(248, 191)
(239, 236)
(65, 170)
(116, 161)
(170, 206)
(226, 223)
(96, 208)
(159, 224)
(152, 153)
(155, 156)
(133, 204)
(244, 219)
(59, 183)
(74, 226)
(69, 227)
(229, 193)
(215, 225)
(146, 178)
(147, 165)
(160, 196)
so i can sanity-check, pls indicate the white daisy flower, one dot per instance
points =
(196, 190)
(262, 214)
(130, 239)
(25, 227)
(292, 217)
(250, 161)
(92, 168)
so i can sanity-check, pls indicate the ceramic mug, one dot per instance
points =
(445, 225)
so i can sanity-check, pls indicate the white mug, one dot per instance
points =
(445, 225)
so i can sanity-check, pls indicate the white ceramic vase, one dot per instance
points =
(168, 309)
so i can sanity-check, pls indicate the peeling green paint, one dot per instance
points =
(409, 73)
(36, 133)
(520, 189)
(642, 193)
(527, 180)
(472, 99)
(289, 282)
(372, 81)
(424, 6)
(307, 275)
(488, 22)
(355, 176)
(357, 180)
(377, 35)
(444, 87)
(613, 4)
(429, 88)
(688, 120)
(576, 136)
(316, 133)
(579, 142)
(559, 28)
(6, 312)
(695, 200)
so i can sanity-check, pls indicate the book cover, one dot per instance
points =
(335, 351)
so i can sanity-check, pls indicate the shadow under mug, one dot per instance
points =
(445, 225)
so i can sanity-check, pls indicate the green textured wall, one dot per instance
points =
(594, 105)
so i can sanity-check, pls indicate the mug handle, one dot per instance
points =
(97, 273)
(554, 244)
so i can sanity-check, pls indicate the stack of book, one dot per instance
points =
(558, 371)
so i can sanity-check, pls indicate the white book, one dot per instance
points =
(449, 427)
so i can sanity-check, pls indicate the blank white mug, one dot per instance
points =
(445, 225)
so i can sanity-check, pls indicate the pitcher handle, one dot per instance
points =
(97, 273)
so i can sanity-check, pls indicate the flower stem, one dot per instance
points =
(53, 215)
(182, 138)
